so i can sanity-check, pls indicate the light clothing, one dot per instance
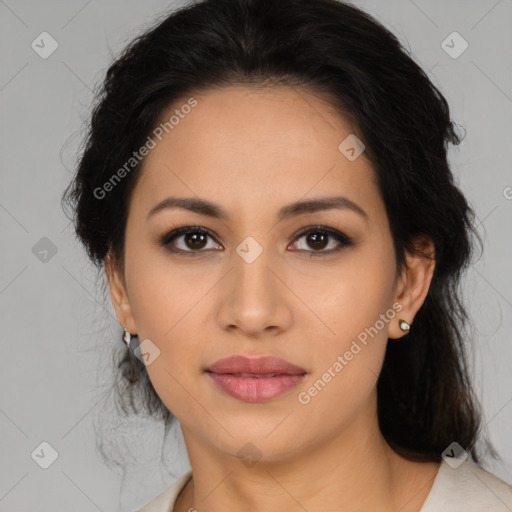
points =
(468, 488)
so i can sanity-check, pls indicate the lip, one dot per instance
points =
(257, 366)
(250, 380)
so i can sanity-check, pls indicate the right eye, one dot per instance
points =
(193, 240)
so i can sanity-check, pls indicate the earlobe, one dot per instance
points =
(414, 285)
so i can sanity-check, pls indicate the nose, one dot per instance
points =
(255, 300)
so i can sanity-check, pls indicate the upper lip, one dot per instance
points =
(256, 366)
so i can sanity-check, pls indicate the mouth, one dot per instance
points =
(259, 366)
(253, 375)
(255, 380)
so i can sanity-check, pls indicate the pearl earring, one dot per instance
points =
(404, 325)
(127, 337)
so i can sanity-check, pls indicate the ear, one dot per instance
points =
(118, 294)
(413, 284)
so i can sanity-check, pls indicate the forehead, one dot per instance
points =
(242, 147)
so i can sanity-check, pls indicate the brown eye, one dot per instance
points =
(318, 238)
(194, 240)
(188, 240)
(317, 241)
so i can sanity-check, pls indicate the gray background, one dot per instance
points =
(55, 331)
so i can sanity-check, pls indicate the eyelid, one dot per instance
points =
(342, 239)
(324, 229)
(176, 232)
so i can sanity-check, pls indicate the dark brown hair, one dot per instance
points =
(425, 396)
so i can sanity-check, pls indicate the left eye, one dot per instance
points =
(318, 239)
(195, 239)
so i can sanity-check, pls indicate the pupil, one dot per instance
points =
(195, 240)
(315, 238)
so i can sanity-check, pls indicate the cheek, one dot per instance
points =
(347, 297)
(347, 364)
(336, 307)
(161, 292)
(169, 309)
(349, 355)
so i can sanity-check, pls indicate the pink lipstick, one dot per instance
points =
(255, 379)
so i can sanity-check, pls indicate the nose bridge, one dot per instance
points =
(255, 298)
(253, 278)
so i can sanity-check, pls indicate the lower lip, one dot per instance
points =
(255, 389)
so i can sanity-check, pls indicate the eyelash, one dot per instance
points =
(344, 240)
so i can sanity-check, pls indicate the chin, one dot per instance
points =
(262, 444)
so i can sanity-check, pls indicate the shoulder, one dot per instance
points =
(466, 487)
(164, 502)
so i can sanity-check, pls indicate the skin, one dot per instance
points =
(325, 455)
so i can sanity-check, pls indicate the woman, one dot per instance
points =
(266, 185)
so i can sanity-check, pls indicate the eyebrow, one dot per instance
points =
(209, 209)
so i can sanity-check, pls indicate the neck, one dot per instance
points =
(354, 469)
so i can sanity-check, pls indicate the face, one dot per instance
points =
(316, 287)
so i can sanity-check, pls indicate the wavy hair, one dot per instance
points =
(425, 397)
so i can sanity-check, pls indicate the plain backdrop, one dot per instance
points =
(54, 320)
